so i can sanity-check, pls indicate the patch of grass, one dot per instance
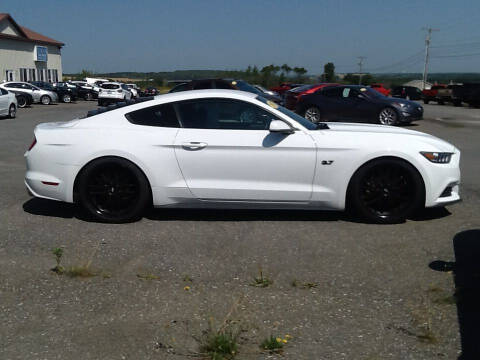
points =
(426, 336)
(221, 345)
(261, 280)
(272, 344)
(306, 285)
(148, 277)
(79, 271)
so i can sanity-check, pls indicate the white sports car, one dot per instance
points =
(232, 149)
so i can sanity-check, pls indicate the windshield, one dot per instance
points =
(301, 120)
(369, 92)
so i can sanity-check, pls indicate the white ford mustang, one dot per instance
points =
(231, 149)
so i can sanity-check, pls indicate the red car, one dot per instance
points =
(431, 94)
(293, 96)
(284, 87)
(381, 89)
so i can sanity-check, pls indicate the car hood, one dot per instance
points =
(395, 100)
(383, 131)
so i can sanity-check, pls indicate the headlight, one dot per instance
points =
(400, 105)
(437, 157)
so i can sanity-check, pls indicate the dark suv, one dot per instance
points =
(407, 92)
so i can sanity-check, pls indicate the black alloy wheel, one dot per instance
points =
(387, 191)
(21, 101)
(114, 190)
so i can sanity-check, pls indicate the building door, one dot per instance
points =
(10, 75)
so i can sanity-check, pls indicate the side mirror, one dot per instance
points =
(278, 126)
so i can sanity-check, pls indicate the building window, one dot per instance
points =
(32, 75)
(23, 74)
(55, 75)
(49, 72)
(41, 74)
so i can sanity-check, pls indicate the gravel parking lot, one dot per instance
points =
(341, 289)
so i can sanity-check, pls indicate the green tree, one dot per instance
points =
(299, 71)
(329, 72)
(286, 69)
(84, 74)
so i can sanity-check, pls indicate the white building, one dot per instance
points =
(26, 55)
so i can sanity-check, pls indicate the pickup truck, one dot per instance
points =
(381, 89)
(431, 94)
(468, 93)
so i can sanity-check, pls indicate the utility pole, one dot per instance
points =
(360, 64)
(428, 38)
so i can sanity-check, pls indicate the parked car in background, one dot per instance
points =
(87, 86)
(44, 97)
(266, 91)
(223, 148)
(23, 99)
(8, 104)
(356, 103)
(134, 89)
(65, 94)
(446, 95)
(431, 94)
(468, 93)
(284, 87)
(111, 92)
(292, 96)
(407, 92)
(381, 89)
(227, 84)
(150, 91)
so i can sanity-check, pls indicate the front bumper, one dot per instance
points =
(408, 115)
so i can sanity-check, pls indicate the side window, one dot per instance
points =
(223, 114)
(220, 84)
(3, 91)
(332, 92)
(345, 92)
(160, 115)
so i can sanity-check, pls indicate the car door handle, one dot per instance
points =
(194, 145)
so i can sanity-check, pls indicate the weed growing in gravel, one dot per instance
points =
(306, 285)
(79, 271)
(148, 276)
(187, 278)
(220, 345)
(261, 280)
(272, 344)
(58, 253)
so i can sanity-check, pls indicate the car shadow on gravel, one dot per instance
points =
(43, 207)
(466, 275)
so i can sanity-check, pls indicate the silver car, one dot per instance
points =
(45, 97)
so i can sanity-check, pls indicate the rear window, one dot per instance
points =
(160, 115)
(110, 86)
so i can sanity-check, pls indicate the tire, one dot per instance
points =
(88, 96)
(12, 111)
(425, 101)
(388, 116)
(66, 98)
(313, 114)
(45, 100)
(386, 191)
(21, 101)
(457, 103)
(113, 190)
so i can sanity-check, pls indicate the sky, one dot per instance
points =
(164, 35)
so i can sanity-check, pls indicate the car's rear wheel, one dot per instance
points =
(386, 191)
(21, 101)
(12, 112)
(67, 98)
(313, 114)
(45, 100)
(113, 190)
(425, 101)
(388, 116)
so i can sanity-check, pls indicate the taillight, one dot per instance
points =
(33, 143)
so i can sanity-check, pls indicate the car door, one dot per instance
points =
(358, 107)
(226, 153)
(331, 103)
(4, 102)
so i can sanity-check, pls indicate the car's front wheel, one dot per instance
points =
(21, 101)
(113, 190)
(313, 114)
(386, 191)
(67, 98)
(12, 112)
(388, 116)
(45, 100)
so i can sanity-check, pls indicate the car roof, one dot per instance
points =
(112, 82)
